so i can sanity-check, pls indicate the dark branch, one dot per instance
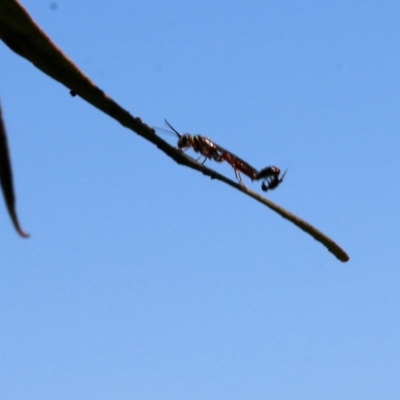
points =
(23, 36)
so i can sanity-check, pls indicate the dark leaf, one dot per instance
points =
(6, 178)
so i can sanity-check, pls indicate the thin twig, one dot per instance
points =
(25, 37)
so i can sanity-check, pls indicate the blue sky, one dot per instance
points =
(146, 280)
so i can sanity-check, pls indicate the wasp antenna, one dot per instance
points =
(179, 135)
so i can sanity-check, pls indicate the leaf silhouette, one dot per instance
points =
(6, 179)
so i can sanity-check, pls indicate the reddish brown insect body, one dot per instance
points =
(208, 149)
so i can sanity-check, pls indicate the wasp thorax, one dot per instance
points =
(185, 141)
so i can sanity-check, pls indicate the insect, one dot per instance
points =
(210, 150)
(200, 144)
(272, 178)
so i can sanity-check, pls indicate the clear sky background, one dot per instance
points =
(146, 280)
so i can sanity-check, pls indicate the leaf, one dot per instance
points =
(6, 178)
